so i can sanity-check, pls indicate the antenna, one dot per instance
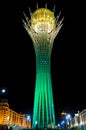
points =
(46, 5)
(54, 8)
(30, 11)
(37, 5)
(57, 17)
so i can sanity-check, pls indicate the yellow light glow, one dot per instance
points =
(63, 113)
(43, 20)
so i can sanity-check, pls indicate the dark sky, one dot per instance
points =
(17, 57)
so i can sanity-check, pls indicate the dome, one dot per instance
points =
(43, 20)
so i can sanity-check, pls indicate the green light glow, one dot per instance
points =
(43, 38)
(43, 101)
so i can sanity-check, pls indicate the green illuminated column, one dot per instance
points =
(43, 101)
(43, 28)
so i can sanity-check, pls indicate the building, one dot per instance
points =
(10, 118)
(43, 28)
(79, 119)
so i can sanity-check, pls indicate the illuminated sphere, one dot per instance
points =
(43, 20)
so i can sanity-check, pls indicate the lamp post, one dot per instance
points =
(63, 124)
(68, 118)
(28, 119)
(3, 92)
(36, 123)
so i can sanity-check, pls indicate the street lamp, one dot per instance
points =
(36, 123)
(63, 124)
(3, 92)
(68, 118)
(28, 119)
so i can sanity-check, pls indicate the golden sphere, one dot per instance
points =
(43, 20)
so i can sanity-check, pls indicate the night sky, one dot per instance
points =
(17, 57)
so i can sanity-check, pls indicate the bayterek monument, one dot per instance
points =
(43, 27)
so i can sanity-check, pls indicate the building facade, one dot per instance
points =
(10, 118)
(79, 120)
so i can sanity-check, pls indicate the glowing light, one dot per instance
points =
(8, 117)
(62, 122)
(68, 117)
(63, 113)
(58, 125)
(43, 20)
(3, 90)
(28, 118)
(43, 28)
(36, 122)
(77, 114)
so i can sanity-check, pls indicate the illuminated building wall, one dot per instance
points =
(11, 118)
(79, 120)
(43, 28)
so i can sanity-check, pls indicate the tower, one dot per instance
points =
(43, 28)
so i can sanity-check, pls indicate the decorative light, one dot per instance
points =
(58, 125)
(36, 122)
(8, 117)
(28, 117)
(43, 20)
(62, 122)
(68, 117)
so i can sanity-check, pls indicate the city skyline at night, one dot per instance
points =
(17, 57)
